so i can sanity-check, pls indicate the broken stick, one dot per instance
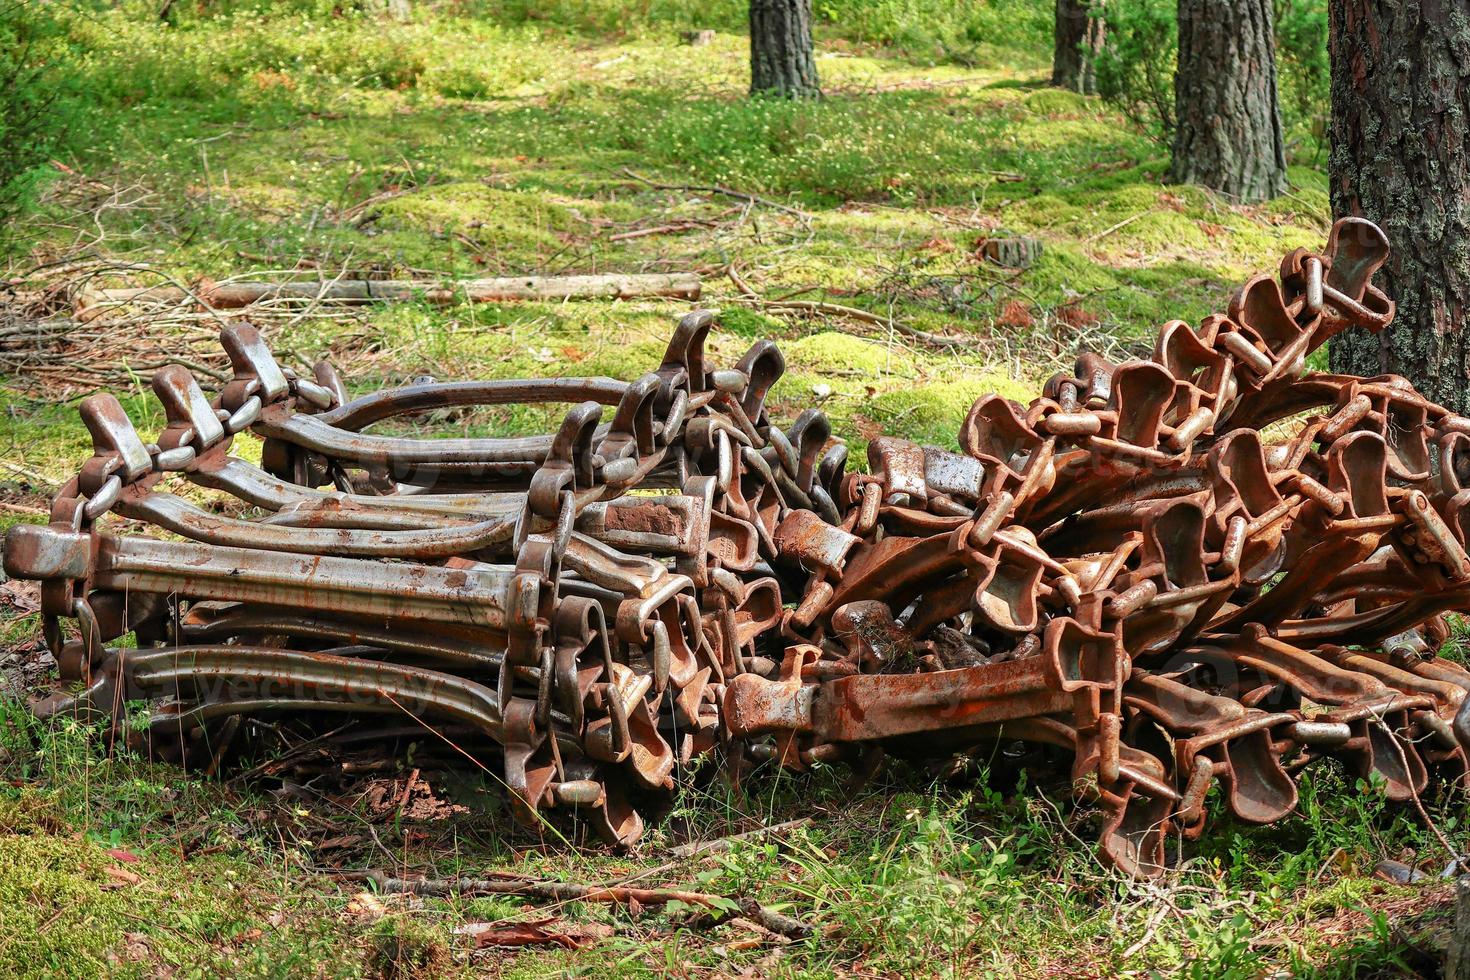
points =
(721, 909)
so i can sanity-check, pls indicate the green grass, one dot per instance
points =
(459, 146)
(494, 138)
(113, 865)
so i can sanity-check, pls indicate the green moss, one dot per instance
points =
(932, 414)
(502, 218)
(54, 883)
(835, 351)
(27, 812)
(403, 948)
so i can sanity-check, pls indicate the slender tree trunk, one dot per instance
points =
(1228, 136)
(1400, 156)
(1079, 38)
(781, 59)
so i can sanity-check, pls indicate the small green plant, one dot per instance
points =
(1135, 70)
(942, 30)
(402, 948)
(1304, 72)
(32, 112)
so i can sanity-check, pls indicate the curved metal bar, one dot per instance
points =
(473, 594)
(183, 518)
(380, 405)
(472, 649)
(265, 674)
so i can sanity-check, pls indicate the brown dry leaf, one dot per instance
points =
(1015, 315)
(344, 840)
(1211, 229)
(938, 245)
(571, 935)
(1075, 315)
(865, 426)
(120, 876)
(21, 596)
(269, 79)
(366, 905)
(127, 857)
(135, 948)
(1172, 201)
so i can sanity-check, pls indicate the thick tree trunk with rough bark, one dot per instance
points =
(1079, 38)
(1401, 157)
(1228, 135)
(781, 58)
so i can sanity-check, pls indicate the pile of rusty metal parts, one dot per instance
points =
(1205, 567)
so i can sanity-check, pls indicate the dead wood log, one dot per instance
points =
(1457, 960)
(237, 295)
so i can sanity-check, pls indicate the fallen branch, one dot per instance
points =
(674, 228)
(550, 891)
(236, 295)
(722, 909)
(1112, 228)
(775, 921)
(40, 479)
(850, 312)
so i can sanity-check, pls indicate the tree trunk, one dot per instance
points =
(781, 60)
(1079, 38)
(1228, 134)
(1457, 959)
(1400, 156)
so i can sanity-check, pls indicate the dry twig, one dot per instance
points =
(849, 312)
(725, 843)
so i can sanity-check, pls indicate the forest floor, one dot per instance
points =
(448, 149)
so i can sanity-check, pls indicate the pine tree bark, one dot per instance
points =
(1400, 157)
(1228, 133)
(1079, 38)
(781, 58)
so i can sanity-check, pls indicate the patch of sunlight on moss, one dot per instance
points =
(836, 351)
(625, 361)
(858, 224)
(1066, 134)
(932, 413)
(1061, 269)
(1056, 102)
(740, 322)
(505, 218)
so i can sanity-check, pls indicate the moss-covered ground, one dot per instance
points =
(534, 139)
